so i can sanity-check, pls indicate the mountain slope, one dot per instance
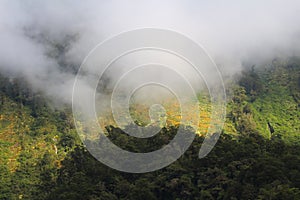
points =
(257, 157)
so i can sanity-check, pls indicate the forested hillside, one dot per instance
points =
(257, 156)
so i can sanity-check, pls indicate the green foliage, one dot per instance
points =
(267, 101)
(249, 168)
(252, 83)
(257, 156)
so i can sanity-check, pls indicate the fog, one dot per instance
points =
(46, 41)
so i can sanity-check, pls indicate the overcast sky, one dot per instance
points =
(231, 31)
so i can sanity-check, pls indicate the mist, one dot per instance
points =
(45, 42)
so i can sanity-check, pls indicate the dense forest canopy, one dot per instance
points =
(197, 99)
(257, 156)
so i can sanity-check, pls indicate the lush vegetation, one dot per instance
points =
(257, 156)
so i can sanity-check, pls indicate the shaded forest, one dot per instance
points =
(257, 156)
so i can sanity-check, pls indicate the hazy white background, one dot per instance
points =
(233, 32)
